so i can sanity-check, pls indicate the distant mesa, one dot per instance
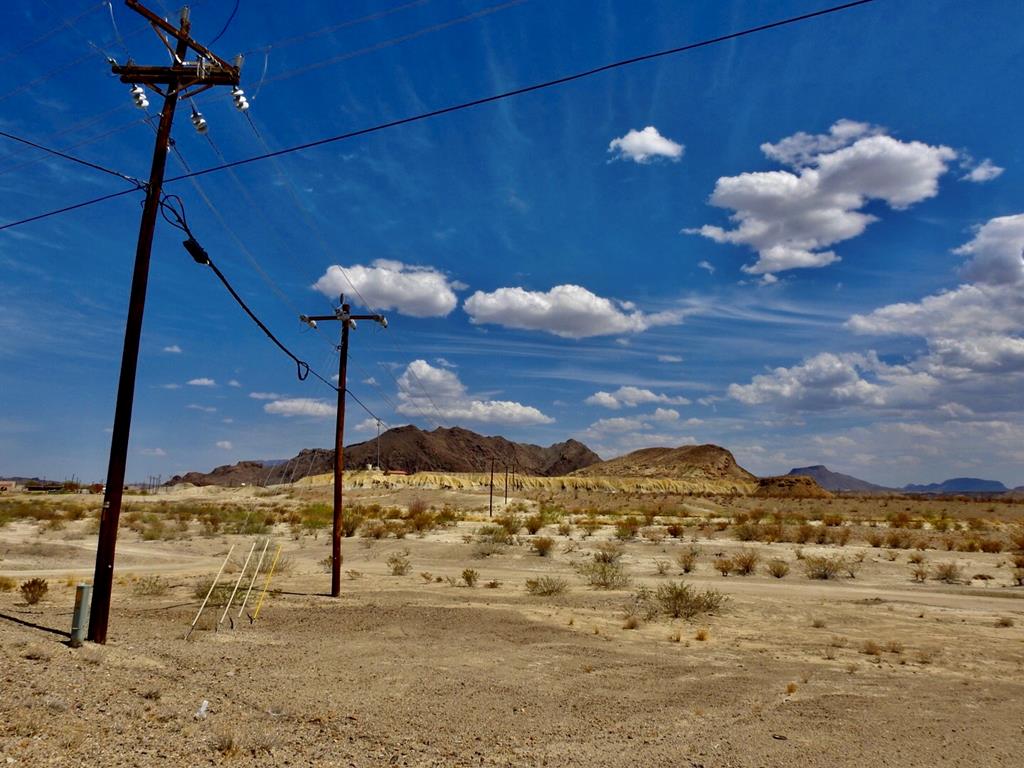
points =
(409, 449)
(959, 485)
(836, 481)
(704, 468)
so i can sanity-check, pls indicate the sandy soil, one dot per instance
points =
(402, 672)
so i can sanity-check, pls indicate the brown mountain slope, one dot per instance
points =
(702, 468)
(412, 450)
(709, 467)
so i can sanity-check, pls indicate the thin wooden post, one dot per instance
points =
(209, 592)
(259, 564)
(237, 583)
(266, 584)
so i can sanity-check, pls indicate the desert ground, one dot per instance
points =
(887, 662)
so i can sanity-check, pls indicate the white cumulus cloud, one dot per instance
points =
(997, 250)
(645, 146)
(265, 396)
(224, 445)
(791, 217)
(438, 392)
(569, 311)
(984, 171)
(153, 452)
(631, 397)
(172, 349)
(201, 382)
(300, 406)
(392, 285)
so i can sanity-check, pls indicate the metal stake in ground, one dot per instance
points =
(177, 79)
(343, 315)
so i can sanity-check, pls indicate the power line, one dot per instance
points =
(226, 24)
(173, 211)
(473, 103)
(95, 166)
(394, 41)
(333, 28)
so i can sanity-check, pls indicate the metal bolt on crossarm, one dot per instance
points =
(343, 315)
(182, 79)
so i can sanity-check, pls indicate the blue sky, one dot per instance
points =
(803, 245)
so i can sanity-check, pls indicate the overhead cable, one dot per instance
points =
(474, 102)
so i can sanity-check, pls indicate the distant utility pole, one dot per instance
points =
(506, 485)
(490, 498)
(347, 320)
(207, 71)
(378, 444)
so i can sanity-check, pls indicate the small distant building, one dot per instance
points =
(8, 486)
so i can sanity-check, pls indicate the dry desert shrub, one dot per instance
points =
(916, 559)
(546, 586)
(875, 539)
(150, 586)
(492, 584)
(534, 523)
(702, 634)
(631, 622)
(626, 528)
(1018, 577)
(871, 648)
(661, 567)
(778, 568)
(470, 576)
(7, 583)
(818, 623)
(511, 522)
(542, 545)
(427, 576)
(898, 539)
(565, 528)
(920, 573)
(34, 590)
(687, 559)
(1004, 621)
(950, 573)
(991, 546)
(723, 565)
(791, 688)
(745, 562)
(605, 571)
(399, 563)
(840, 536)
(225, 743)
(1018, 560)
(681, 601)
(821, 567)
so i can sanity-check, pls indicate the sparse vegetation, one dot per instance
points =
(34, 590)
(744, 562)
(822, 567)
(398, 563)
(546, 586)
(542, 545)
(470, 576)
(778, 568)
(150, 586)
(950, 573)
(687, 559)
(7, 583)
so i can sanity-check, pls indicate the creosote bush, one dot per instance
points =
(34, 590)
(542, 545)
(534, 523)
(745, 562)
(546, 586)
(950, 573)
(399, 563)
(819, 567)
(682, 601)
(150, 586)
(723, 565)
(7, 583)
(626, 528)
(778, 568)
(605, 571)
(687, 559)
(470, 576)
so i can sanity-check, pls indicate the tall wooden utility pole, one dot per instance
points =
(347, 320)
(207, 71)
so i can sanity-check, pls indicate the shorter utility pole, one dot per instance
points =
(348, 321)
(378, 444)
(490, 499)
(506, 485)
